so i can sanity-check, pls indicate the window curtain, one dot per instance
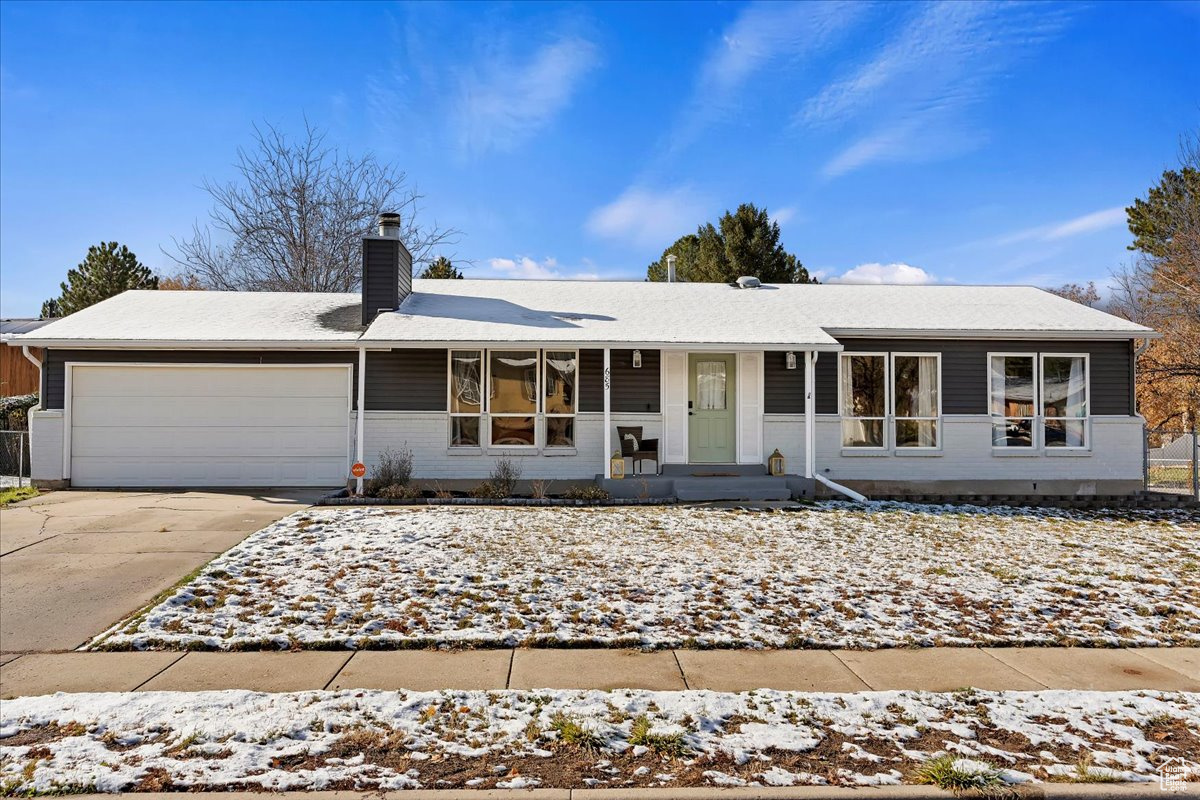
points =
(710, 385)
(1077, 390)
(926, 404)
(467, 383)
(853, 430)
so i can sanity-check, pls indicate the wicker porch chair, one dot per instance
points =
(634, 447)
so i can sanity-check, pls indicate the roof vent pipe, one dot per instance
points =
(670, 269)
(389, 225)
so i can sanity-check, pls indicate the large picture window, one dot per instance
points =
(864, 399)
(512, 390)
(466, 397)
(1027, 390)
(916, 383)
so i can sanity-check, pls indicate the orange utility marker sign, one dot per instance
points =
(359, 469)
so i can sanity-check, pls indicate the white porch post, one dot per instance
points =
(607, 413)
(810, 412)
(362, 412)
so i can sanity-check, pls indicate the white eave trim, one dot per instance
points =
(590, 345)
(896, 333)
(161, 344)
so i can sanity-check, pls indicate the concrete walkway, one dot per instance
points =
(934, 669)
(74, 562)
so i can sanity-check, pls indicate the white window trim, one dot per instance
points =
(1086, 419)
(450, 415)
(894, 418)
(537, 402)
(887, 403)
(557, 449)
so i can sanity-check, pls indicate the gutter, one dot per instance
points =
(33, 359)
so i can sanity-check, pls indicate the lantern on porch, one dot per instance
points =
(617, 465)
(791, 360)
(637, 359)
(776, 464)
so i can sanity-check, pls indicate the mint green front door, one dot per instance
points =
(711, 392)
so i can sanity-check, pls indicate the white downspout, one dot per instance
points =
(25, 352)
(607, 413)
(810, 427)
(359, 417)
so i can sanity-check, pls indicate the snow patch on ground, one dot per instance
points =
(833, 576)
(509, 739)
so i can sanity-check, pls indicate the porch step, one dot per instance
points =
(720, 471)
(751, 487)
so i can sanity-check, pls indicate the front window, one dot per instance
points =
(466, 397)
(562, 379)
(1014, 404)
(863, 399)
(915, 389)
(1065, 400)
(513, 397)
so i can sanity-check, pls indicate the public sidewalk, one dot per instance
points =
(932, 669)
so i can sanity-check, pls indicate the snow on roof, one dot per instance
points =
(585, 312)
(222, 318)
(596, 312)
(686, 313)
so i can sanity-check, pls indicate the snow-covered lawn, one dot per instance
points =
(832, 576)
(347, 739)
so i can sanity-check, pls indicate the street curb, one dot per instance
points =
(1039, 791)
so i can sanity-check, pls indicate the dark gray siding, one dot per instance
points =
(406, 380)
(633, 390)
(54, 370)
(964, 370)
(783, 388)
(380, 276)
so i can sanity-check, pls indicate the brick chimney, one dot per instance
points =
(387, 269)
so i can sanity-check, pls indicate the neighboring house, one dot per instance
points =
(946, 389)
(18, 375)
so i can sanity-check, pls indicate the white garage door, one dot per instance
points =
(258, 425)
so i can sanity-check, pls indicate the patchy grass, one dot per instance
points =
(890, 575)
(15, 494)
(979, 742)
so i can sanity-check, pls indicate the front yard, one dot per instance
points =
(831, 576)
(160, 741)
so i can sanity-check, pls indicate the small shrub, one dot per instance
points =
(398, 492)
(570, 732)
(661, 744)
(539, 489)
(394, 468)
(945, 772)
(501, 482)
(587, 491)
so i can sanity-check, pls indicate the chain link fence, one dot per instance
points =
(14, 459)
(1172, 461)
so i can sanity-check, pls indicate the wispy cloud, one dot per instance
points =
(503, 100)
(762, 35)
(1078, 226)
(879, 273)
(648, 218)
(499, 87)
(527, 268)
(912, 94)
(784, 215)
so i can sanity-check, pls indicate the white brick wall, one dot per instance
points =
(46, 445)
(426, 434)
(966, 453)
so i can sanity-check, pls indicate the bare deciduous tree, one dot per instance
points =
(296, 219)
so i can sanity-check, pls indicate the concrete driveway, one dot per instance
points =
(74, 562)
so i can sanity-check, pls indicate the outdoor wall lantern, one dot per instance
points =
(776, 463)
(617, 465)
(637, 359)
(791, 360)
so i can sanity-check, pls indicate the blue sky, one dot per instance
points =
(960, 142)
